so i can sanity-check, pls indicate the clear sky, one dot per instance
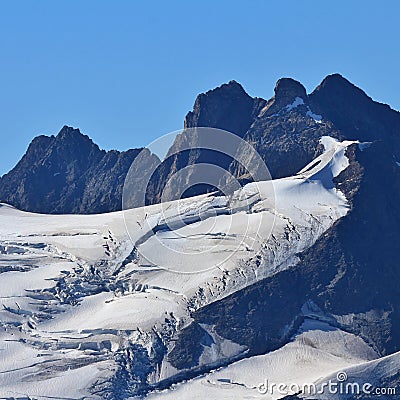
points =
(126, 72)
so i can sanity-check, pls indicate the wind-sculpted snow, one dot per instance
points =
(84, 313)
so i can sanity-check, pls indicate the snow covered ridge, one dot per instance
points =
(83, 313)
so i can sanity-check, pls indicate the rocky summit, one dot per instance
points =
(67, 173)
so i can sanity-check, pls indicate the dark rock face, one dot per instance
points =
(285, 133)
(287, 142)
(67, 173)
(227, 107)
(287, 137)
(286, 91)
(185, 355)
(355, 113)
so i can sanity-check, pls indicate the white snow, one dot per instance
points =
(316, 352)
(379, 377)
(364, 145)
(69, 294)
(298, 101)
(316, 117)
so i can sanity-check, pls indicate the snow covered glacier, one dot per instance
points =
(91, 304)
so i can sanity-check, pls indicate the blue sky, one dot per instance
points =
(126, 72)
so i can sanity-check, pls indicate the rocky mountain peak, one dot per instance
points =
(73, 138)
(356, 114)
(232, 87)
(226, 107)
(68, 131)
(67, 173)
(335, 85)
(39, 144)
(287, 89)
(336, 80)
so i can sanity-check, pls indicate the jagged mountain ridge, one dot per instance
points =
(67, 173)
(288, 140)
(284, 130)
(227, 107)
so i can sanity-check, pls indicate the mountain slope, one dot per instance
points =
(351, 272)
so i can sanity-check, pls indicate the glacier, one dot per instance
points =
(91, 304)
